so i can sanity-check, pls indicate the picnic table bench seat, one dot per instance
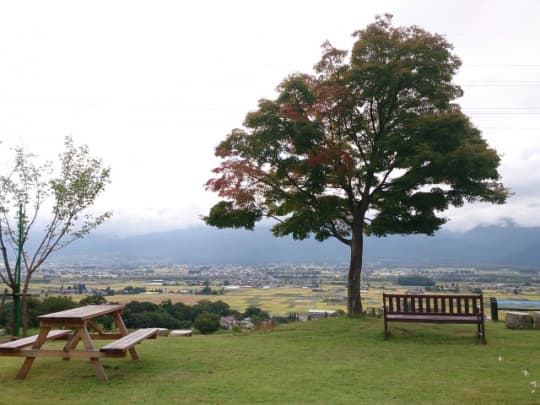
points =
(30, 340)
(127, 342)
(435, 308)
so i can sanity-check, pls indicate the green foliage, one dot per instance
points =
(374, 144)
(207, 323)
(171, 316)
(70, 191)
(47, 305)
(93, 300)
(256, 314)
(215, 307)
(415, 280)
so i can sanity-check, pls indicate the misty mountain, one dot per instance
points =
(485, 245)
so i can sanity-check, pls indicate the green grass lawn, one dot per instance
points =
(337, 360)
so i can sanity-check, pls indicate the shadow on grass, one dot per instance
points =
(436, 335)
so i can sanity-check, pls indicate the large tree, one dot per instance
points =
(369, 144)
(30, 189)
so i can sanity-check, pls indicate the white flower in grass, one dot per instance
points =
(533, 384)
(500, 358)
(525, 372)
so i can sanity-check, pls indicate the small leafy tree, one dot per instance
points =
(371, 143)
(207, 323)
(93, 300)
(68, 193)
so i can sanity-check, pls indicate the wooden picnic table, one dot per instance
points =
(78, 321)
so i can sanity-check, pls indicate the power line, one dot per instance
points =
(502, 112)
(501, 65)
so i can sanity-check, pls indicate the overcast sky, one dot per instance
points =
(152, 86)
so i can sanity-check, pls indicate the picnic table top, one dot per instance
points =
(83, 313)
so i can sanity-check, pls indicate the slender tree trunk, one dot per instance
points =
(24, 312)
(24, 306)
(16, 300)
(6, 292)
(354, 304)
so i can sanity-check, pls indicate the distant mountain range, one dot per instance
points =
(508, 245)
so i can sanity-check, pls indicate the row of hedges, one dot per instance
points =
(204, 315)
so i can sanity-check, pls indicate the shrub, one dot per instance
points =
(93, 300)
(48, 305)
(207, 323)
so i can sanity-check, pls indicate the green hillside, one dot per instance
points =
(337, 360)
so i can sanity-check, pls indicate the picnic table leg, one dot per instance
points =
(71, 344)
(100, 371)
(123, 331)
(27, 365)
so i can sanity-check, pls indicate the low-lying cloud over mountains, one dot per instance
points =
(507, 245)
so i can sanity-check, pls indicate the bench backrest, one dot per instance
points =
(439, 304)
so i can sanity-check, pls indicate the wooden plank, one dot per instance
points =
(124, 332)
(56, 353)
(433, 318)
(98, 367)
(105, 336)
(30, 340)
(27, 364)
(82, 313)
(130, 340)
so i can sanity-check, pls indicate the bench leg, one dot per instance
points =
(27, 365)
(100, 371)
(71, 345)
(385, 329)
(483, 332)
(117, 316)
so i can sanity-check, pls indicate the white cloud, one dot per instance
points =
(152, 87)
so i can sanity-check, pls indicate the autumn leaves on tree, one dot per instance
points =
(371, 143)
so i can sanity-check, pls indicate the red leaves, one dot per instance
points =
(237, 180)
(292, 113)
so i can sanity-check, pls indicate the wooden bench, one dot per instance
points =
(435, 308)
(30, 340)
(125, 343)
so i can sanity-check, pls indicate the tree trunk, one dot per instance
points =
(24, 312)
(354, 304)
(16, 300)
(24, 306)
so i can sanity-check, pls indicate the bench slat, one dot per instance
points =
(450, 318)
(130, 340)
(30, 340)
